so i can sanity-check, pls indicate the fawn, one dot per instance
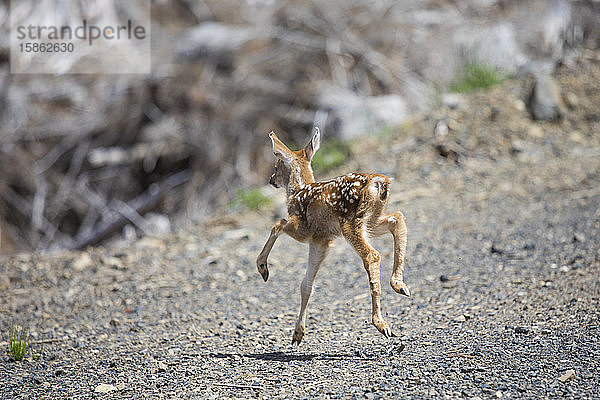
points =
(351, 206)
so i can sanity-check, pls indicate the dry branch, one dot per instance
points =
(140, 206)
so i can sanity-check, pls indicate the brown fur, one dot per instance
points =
(352, 206)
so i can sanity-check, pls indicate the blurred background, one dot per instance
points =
(84, 158)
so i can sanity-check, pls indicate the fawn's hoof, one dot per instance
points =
(400, 287)
(263, 270)
(384, 328)
(297, 338)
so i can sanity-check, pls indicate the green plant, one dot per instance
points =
(333, 153)
(19, 342)
(476, 76)
(252, 199)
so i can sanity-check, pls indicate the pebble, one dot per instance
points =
(112, 262)
(83, 262)
(161, 367)
(460, 318)
(535, 131)
(567, 376)
(150, 242)
(544, 100)
(105, 388)
(449, 284)
(521, 329)
(572, 100)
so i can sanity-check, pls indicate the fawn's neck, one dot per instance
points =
(299, 176)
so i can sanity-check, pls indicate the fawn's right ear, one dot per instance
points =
(314, 144)
(280, 149)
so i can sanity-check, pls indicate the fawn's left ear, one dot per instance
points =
(314, 144)
(280, 150)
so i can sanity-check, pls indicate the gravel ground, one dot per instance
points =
(503, 264)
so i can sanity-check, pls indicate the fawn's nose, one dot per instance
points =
(272, 180)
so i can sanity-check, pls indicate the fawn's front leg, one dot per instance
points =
(261, 260)
(316, 254)
(395, 223)
(289, 227)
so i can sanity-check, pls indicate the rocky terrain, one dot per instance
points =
(503, 264)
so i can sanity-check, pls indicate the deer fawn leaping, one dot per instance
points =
(351, 206)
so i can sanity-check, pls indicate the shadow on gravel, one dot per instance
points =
(287, 357)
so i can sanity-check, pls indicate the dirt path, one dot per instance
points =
(503, 265)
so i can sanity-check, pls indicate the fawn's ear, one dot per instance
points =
(280, 150)
(314, 144)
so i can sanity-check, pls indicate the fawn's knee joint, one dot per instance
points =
(373, 258)
(278, 226)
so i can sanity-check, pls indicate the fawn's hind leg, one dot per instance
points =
(316, 254)
(371, 260)
(395, 223)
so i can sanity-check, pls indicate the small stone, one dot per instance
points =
(83, 262)
(440, 130)
(158, 224)
(460, 318)
(453, 100)
(105, 388)
(545, 103)
(535, 131)
(162, 367)
(236, 234)
(572, 100)
(520, 105)
(567, 376)
(453, 125)
(498, 394)
(112, 262)
(579, 237)
(449, 284)
(150, 242)
(564, 268)
(521, 329)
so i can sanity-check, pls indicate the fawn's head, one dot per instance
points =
(292, 168)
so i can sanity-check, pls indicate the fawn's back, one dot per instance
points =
(325, 207)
